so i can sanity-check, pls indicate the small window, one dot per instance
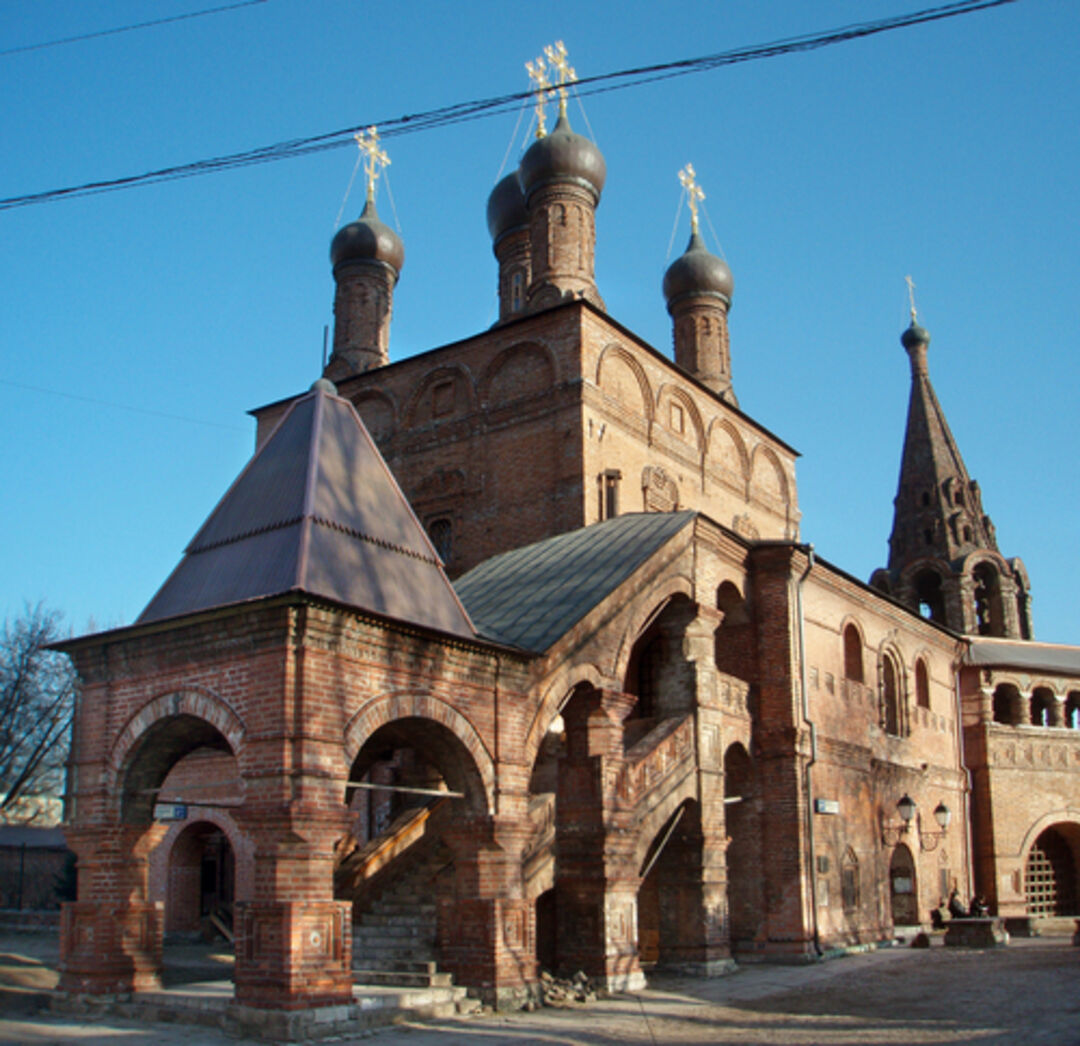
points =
(853, 664)
(926, 498)
(517, 291)
(1006, 704)
(441, 533)
(1043, 707)
(892, 717)
(922, 684)
(678, 419)
(1072, 710)
(609, 493)
(442, 399)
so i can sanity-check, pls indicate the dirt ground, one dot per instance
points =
(1023, 995)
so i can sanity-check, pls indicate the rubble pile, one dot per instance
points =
(561, 991)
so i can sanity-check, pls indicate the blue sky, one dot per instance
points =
(137, 328)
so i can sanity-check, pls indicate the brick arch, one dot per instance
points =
(1050, 820)
(461, 375)
(648, 606)
(192, 701)
(762, 453)
(650, 826)
(722, 425)
(669, 392)
(555, 695)
(390, 707)
(242, 847)
(515, 357)
(615, 351)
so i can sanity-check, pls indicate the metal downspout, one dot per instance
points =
(968, 784)
(807, 785)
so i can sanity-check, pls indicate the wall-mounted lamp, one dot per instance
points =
(892, 833)
(929, 840)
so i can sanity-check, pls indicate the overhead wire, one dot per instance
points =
(461, 112)
(23, 48)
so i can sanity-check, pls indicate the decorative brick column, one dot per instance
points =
(293, 940)
(487, 930)
(111, 939)
(597, 880)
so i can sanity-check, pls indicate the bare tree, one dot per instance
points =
(37, 700)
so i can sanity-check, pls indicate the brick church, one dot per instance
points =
(509, 656)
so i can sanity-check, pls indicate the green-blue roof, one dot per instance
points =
(532, 596)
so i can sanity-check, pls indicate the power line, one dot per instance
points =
(461, 112)
(118, 406)
(127, 28)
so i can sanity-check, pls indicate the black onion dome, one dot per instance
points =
(563, 156)
(367, 239)
(506, 208)
(698, 272)
(915, 335)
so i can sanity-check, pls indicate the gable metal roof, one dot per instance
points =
(531, 596)
(316, 510)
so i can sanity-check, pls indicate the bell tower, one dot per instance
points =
(943, 552)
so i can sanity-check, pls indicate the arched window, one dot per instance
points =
(922, 684)
(989, 620)
(1006, 704)
(891, 703)
(441, 533)
(929, 594)
(1043, 707)
(853, 666)
(1072, 710)
(517, 291)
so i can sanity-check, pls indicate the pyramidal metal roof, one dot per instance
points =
(531, 596)
(316, 510)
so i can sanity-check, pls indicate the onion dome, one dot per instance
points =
(506, 208)
(367, 240)
(563, 156)
(697, 273)
(914, 335)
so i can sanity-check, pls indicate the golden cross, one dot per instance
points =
(694, 193)
(374, 158)
(538, 74)
(911, 297)
(556, 56)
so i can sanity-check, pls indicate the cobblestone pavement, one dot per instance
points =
(1023, 995)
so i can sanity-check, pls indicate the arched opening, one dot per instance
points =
(670, 901)
(201, 883)
(743, 857)
(1072, 710)
(902, 888)
(1050, 873)
(414, 790)
(539, 859)
(734, 652)
(1043, 707)
(853, 659)
(930, 596)
(892, 711)
(160, 749)
(1007, 704)
(989, 619)
(922, 684)
(658, 674)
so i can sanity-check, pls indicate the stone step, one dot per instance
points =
(382, 919)
(392, 931)
(392, 906)
(379, 954)
(402, 978)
